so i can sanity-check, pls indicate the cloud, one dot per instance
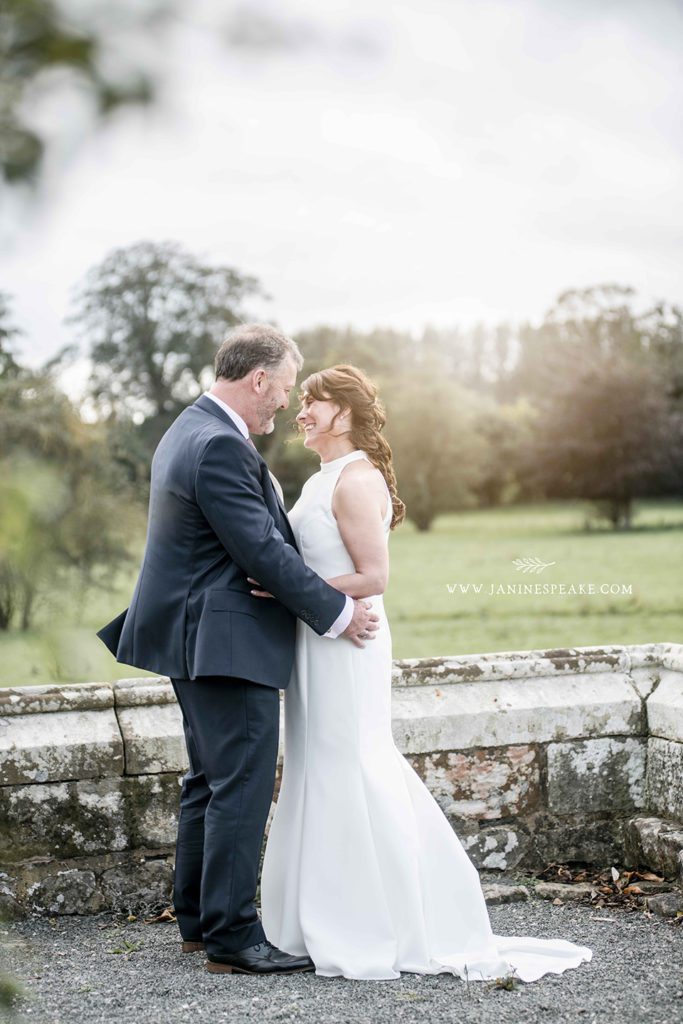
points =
(263, 31)
(491, 156)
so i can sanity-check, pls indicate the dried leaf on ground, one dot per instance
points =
(166, 916)
(611, 886)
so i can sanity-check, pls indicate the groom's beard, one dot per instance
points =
(266, 418)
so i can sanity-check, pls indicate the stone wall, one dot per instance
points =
(536, 756)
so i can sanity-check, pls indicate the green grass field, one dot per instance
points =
(426, 619)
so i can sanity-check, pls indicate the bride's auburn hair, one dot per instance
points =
(351, 389)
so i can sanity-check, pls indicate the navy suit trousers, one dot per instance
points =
(231, 732)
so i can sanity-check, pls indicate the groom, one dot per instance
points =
(216, 518)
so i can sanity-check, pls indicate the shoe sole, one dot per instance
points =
(213, 968)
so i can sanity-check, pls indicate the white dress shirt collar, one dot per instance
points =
(234, 416)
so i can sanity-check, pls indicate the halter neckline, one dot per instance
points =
(333, 464)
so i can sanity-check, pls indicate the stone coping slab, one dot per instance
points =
(40, 700)
(672, 656)
(665, 707)
(153, 739)
(144, 691)
(133, 726)
(58, 748)
(496, 714)
(525, 664)
(644, 660)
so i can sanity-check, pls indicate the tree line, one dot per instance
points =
(588, 405)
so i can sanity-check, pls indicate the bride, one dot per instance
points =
(362, 870)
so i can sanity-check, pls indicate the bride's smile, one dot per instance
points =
(325, 427)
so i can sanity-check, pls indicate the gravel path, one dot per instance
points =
(71, 976)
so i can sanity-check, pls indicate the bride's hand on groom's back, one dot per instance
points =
(258, 592)
(363, 625)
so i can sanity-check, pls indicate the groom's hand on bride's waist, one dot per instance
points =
(363, 625)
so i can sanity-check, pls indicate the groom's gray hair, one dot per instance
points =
(254, 345)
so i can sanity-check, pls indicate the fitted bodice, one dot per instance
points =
(314, 525)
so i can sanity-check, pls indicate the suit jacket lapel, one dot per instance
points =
(207, 405)
(275, 491)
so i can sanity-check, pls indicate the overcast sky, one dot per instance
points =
(384, 162)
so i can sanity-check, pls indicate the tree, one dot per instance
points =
(606, 432)
(64, 509)
(662, 332)
(599, 320)
(41, 38)
(606, 382)
(379, 352)
(439, 453)
(507, 430)
(154, 317)
(8, 332)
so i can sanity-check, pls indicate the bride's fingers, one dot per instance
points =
(258, 592)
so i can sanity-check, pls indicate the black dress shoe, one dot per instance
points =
(263, 958)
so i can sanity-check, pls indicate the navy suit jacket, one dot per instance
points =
(214, 519)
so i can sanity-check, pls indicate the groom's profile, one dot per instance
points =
(216, 519)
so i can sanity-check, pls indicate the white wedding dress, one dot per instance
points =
(362, 870)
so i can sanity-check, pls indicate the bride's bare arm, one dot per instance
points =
(359, 504)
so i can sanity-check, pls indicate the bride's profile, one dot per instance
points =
(362, 870)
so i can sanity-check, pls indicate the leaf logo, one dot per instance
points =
(531, 564)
